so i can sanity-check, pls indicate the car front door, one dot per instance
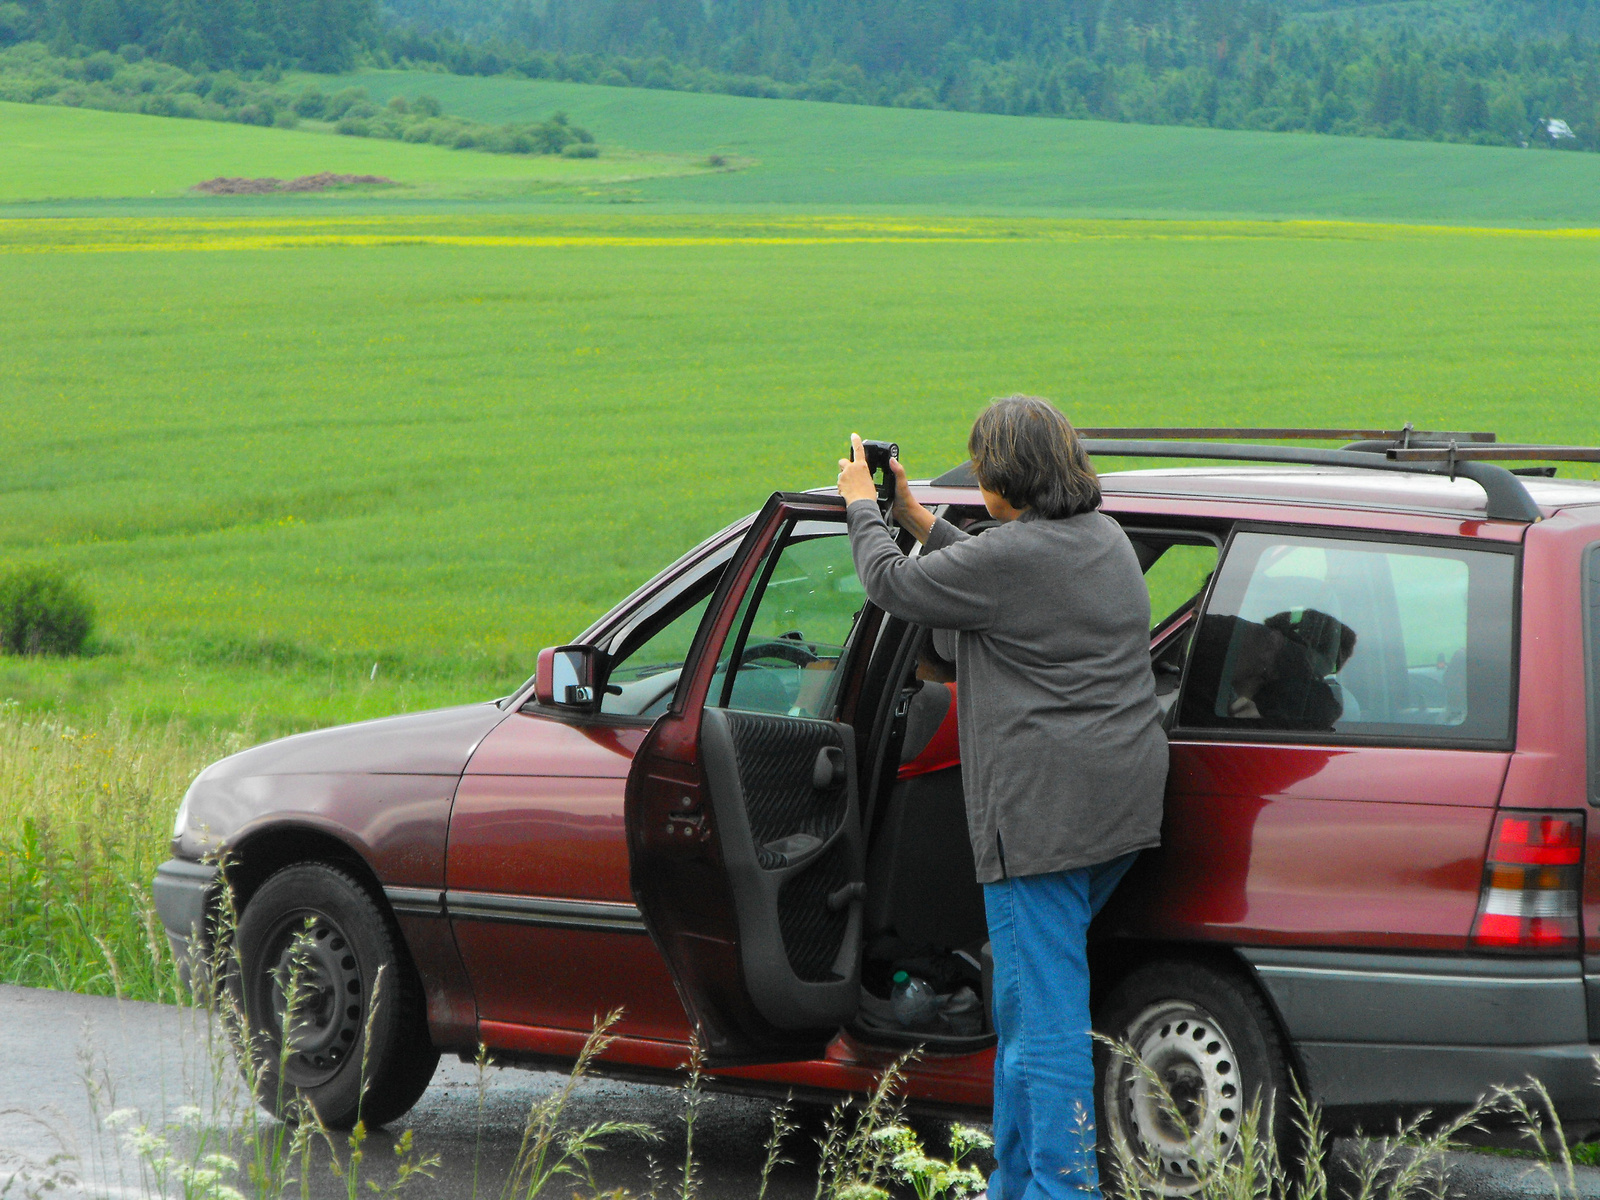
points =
(743, 813)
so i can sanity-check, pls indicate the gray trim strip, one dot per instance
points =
(598, 916)
(415, 902)
(1366, 999)
(182, 868)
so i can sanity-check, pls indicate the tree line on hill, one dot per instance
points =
(129, 81)
(1475, 70)
(1484, 71)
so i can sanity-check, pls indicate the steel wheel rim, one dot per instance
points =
(308, 951)
(1185, 1047)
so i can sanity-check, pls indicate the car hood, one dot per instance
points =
(426, 743)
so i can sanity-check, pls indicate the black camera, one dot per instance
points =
(878, 456)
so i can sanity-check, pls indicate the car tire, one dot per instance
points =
(355, 978)
(1209, 1036)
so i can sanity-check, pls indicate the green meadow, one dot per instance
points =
(53, 153)
(281, 452)
(321, 457)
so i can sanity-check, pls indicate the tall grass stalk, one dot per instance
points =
(85, 816)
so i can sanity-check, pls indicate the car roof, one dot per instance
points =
(1321, 487)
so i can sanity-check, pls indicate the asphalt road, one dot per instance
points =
(68, 1060)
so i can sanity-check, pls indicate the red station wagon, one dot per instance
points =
(733, 808)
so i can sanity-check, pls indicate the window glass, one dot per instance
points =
(1177, 577)
(1330, 635)
(786, 650)
(648, 676)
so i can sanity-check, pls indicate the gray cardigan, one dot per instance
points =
(1063, 757)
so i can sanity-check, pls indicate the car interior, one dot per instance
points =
(923, 912)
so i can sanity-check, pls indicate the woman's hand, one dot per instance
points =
(855, 483)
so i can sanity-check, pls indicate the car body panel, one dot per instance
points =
(1272, 849)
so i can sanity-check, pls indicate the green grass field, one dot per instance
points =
(831, 156)
(281, 451)
(324, 457)
(51, 153)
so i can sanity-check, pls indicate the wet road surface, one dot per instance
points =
(66, 1061)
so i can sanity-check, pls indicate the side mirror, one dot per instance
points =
(566, 677)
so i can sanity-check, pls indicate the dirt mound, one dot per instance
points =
(225, 185)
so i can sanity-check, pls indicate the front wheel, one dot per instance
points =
(320, 967)
(1208, 1038)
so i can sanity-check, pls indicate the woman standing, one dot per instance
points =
(1063, 756)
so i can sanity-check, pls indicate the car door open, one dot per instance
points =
(743, 815)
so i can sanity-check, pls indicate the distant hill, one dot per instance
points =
(1484, 71)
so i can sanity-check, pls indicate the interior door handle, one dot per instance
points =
(828, 773)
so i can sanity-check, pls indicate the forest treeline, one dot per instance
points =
(1486, 71)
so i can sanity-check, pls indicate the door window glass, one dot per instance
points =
(791, 630)
(646, 678)
(1330, 635)
(1177, 577)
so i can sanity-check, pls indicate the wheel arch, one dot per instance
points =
(253, 859)
(1113, 959)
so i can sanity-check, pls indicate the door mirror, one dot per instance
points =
(566, 678)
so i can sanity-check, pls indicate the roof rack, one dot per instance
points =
(1405, 450)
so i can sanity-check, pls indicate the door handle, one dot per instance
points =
(828, 773)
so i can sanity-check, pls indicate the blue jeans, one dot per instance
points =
(1044, 1136)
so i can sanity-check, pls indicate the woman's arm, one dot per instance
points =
(948, 588)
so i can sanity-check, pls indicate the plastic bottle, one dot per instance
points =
(913, 1000)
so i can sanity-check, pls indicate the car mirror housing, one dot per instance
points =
(567, 677)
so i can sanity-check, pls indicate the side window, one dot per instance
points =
(646, 678)
(1325, 635)
(792, 627)
(1174, 572)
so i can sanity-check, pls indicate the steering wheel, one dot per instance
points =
(785, 648)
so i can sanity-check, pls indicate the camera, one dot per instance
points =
(878, 455)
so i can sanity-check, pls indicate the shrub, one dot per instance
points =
(285, 119)
(132, 52)
(353, 127)
(343, 103)
(399, 105)
(43, 612)
(100, 65)
(581, 150)
(426, 106)
(310, 102)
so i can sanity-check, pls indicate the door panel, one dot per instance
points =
(742, 815)
(790, 858)
(537, 882)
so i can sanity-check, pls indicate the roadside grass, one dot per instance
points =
(86, 812)
(49, 152)
(441, 442)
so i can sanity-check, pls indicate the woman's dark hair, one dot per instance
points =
(1024, 449)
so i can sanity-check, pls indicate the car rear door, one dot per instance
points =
(742, 811)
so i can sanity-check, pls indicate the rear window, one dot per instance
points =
(1315, 635)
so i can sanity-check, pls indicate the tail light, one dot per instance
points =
(1531, 883)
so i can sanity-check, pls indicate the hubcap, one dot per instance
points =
(1176, 1144)
(315, 995)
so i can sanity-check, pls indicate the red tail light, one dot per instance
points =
(1531, 883)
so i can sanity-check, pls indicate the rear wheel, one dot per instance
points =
(1209, 1039)
(319, 964)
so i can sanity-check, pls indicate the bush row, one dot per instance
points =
(128, 81)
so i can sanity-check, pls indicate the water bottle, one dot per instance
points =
(914, 1002)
